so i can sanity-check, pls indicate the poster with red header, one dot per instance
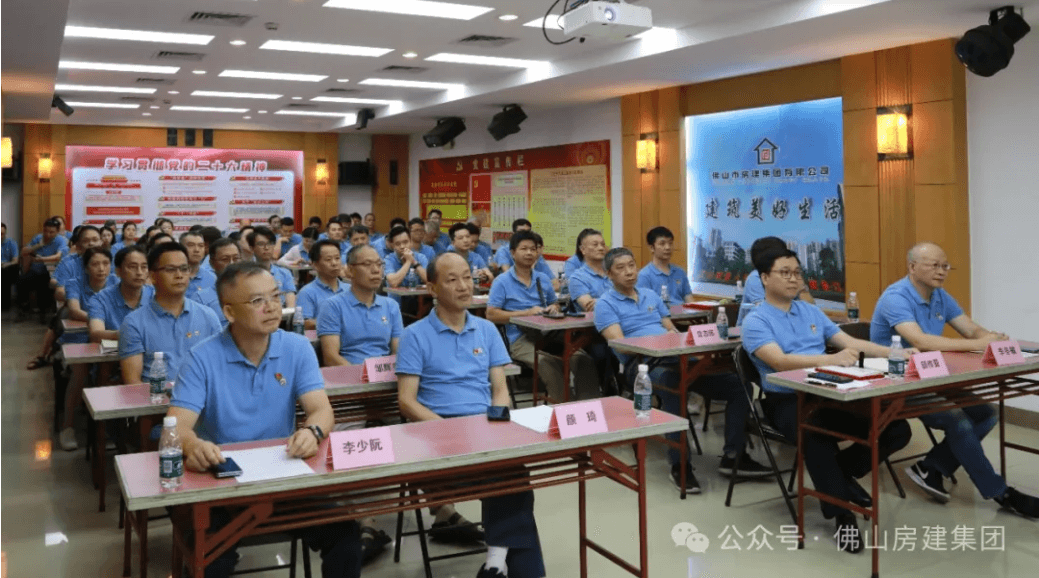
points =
(189, 186)
(560, 189)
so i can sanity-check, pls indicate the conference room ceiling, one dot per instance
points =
(693, 41)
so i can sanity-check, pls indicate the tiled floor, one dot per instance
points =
(51, 527)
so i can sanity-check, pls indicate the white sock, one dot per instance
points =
(496, 558)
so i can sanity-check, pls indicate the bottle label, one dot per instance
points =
(298, 328)
(896, 366)
(853, 313)
(723, 331)
(171, 466)
(643, 401)
(156, 385)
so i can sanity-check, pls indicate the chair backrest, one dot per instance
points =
(858, 330)
(745, 368)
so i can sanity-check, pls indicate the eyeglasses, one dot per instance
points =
(229, 259)
(260, 301)
(171, 270)
(788, 274)
(260, 245)
(136, 268)
(369, 264)
(943, 266)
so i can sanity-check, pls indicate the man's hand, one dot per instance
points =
(535, 310)
(302, 444)
(409, 258)
(484, 274)
(911, 351)
(553, 309)
(845, 358)
(202, 455)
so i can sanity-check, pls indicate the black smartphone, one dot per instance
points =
(228, 469)
(830, 377)
(498, 413)
(1030, 349)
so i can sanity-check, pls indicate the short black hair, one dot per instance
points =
(195, 227)
(658, 232)
(769, 257)
(89, 254)
(437, 211)
(763, 245)
(288, 221)
(261, 232)
(455, 228)
(474, 229)
(343, 217)
(521, 223)
(356, 216)
(158, 240)
(125, 252)
(540, 242)
(580, 237)
(156, 252)
(83, 229)
(311, 233)
(315, 249)
(52, 223)
(359, 229)
(220, 244)
(234, 236)
(229, 276)
(520, 236)
(191, 233)
(397, 221)
(416, 221)
(394, 232)
(315, 219)
(333, 219)
(210, 234)
(272, 217)
(614, 254)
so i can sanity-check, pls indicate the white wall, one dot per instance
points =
(585, 123)
(355, 198)
(1003, 140)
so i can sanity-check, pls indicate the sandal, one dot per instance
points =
(37, 363)
(373, 542)
(456, 531)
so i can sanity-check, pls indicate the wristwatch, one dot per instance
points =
(317, 432)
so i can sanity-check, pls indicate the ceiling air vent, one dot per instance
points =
(175, 55)
(343, 90)
(484, 41)
(407, 69)
(155, 81)
(220, 19)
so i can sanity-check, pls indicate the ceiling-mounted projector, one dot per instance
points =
(610, 19)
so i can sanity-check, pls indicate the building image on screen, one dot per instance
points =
(770, 171)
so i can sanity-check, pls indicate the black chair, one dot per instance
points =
(511, 380)
(422, 534)
(267, 539)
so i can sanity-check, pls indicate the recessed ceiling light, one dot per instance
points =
(146, 114)
(273, 75)
(101, 105)
(486, 60)
(92, 88)
(237, 43)
(346, 100)
(153, 106)
(208, 109)
(172, 92)
(113, 67)
(507, 17)
(413, 8)
(198, 72)
(410, 83)
(410, 54)
(342, 80)
(319, 48)
(246, 117)
(297, 98)
(222, 94)
(261, 112)
(553, 23)
(139, 35)
(349, 117)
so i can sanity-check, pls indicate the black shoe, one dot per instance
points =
(486, 572)
(456, 531)
(692, 486)
(1018, 503)
(859, 495)
(748, 468)
(849, 538)
(930, 480)
(373, 543)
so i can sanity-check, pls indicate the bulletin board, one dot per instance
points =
(560, 189)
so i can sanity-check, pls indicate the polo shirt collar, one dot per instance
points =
(654, 269)
(323, 284)
(234, 355)
(353, 301)
(512, 273)
(439, 327)
(593, 272)
(916, 294)
(618, 295)
(793, 308)
(158, 310)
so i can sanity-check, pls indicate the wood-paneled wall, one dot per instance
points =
(889, 205)
(43, 199)
(389, 200)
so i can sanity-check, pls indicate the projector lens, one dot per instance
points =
(610, 14)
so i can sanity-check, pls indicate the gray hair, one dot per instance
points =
(613, 254)
(432, 226)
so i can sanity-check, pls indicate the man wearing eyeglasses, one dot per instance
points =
(327, 265)
(917, 308)
(357, 324)
(243, 385)
(168, 323)
(262, 243)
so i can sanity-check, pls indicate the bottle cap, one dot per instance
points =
(643, 368)
(721, 310)
(158, 355)
(853, 294)
(169, 421)
(896, 339)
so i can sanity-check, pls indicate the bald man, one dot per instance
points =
(917, 309)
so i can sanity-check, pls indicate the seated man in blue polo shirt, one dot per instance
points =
(222, 252)
(287, 236)
(261, 243)
(168, 323)
(327, 264)
(70, 269)
(462, 243)
(590, 281)
(402, 260)
(753, 290)
(442, 241)
(46, 248)
(378, 240)
(201, 279)
(782, 334)
(451, 364)
(502, 260)
(417, 229)
(243, 384)
(113, 304)
(917, 308)
(369, 221)
(522, 291)
(357, 324)
(660, 273)
(481, 248)
(628, 310)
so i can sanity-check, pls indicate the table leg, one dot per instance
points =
(99, 464)
(200, 524)
(800, 471)
(1002, 440)
(640, 463)
(874, 438)
(582, 525)
(177, 557)
(567, 352)
(142, 534)
(683, 393)
(127, 542)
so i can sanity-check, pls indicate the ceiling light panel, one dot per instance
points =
(136, 35)
(92, 88)
(410, 84)
(553, 23)
(486, 60)
(100, 105)
(413, 8)
(259, 75)
(320, 48)
(221, 94)
(314, 113)
(208, 109)
(113, 67)
(346, 100)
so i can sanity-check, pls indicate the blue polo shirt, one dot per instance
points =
(484, 250)
(804, 330)
(588, 282)
(508, 293)
(9, 250)
(201, 281)
(474, 259)
(453, 368)
(675, 279)
(901, 303)
(86, 297)
(151, 328)
(753, 293)
(364, 332)
(313, 294)
(443, 243)
(294, 240)
(425, 250)
(68, 270)
(571, 266)
(344, 248)
(393, 263)
(286, 284)
(237, 401)
(110, 307)
(504, 257)
(637, 318)
(209, 297)
(57, 245)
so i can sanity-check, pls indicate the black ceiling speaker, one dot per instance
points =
(59, 104)
(363, 116)
(444, 132)
(506, 122)
(987, 49)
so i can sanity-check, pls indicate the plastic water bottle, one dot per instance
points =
(664, 296)
(643, 392)
(171, 456)
(476, 280)
(739, 292)
(411, 279)
(564, 287)
(297, 321)
(852, 306)
(722, 321)
(157, 379)
(896, 359)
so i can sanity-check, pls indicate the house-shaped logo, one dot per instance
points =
(766, 152)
